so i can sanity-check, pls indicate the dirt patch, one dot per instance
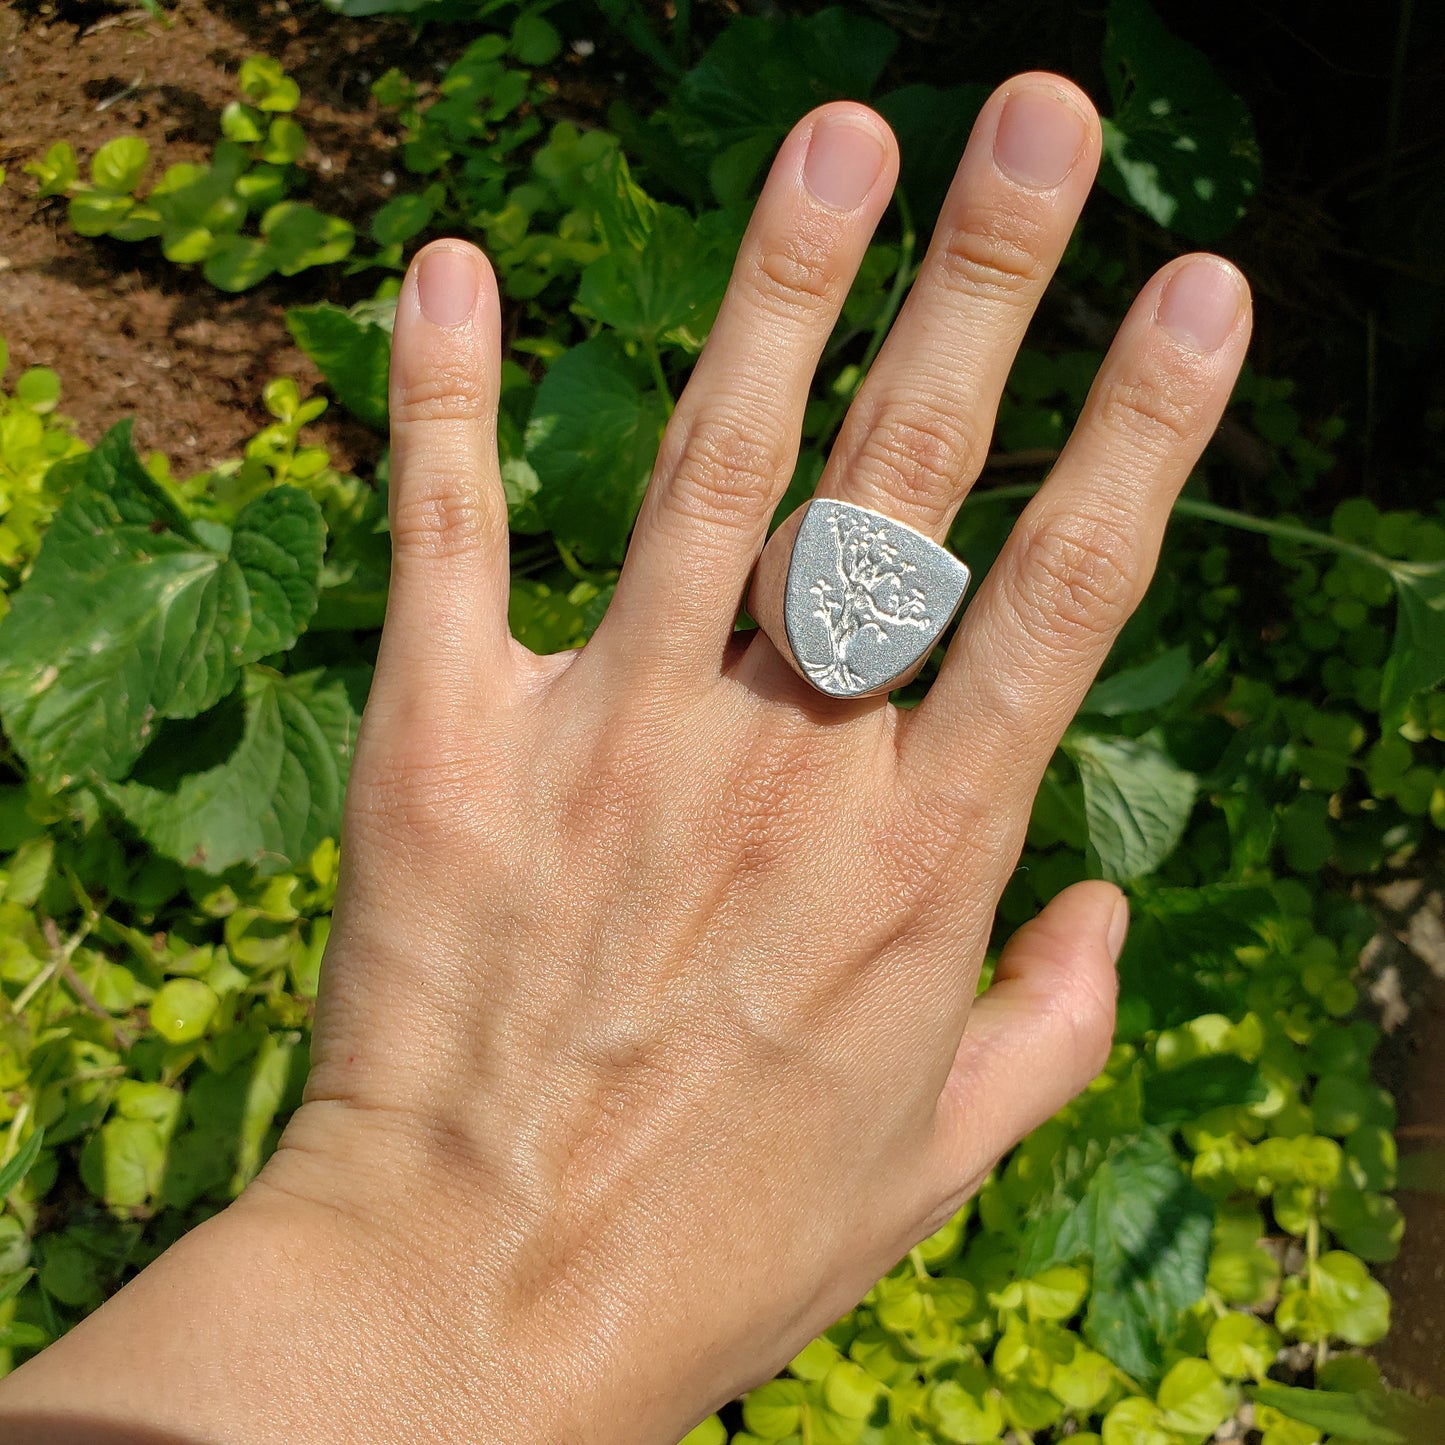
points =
(1405, 966)
(129, 333)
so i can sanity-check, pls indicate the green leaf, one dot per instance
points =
(14, 1170)
(1146, 1229)
(185, 245)
(1136, 1421)
(236, 263)
(57, 170)
(38, 387)
(1393, 1418)
(241, 123)
(932, 126)
(1137, 800)
(1172, 1096)
(593, 438)
(850, 1391)
(285, 142)
(1082, 1381)
(1242, 1347)
(1180, 144)
(1417, 655)
(761, 75)
(299, 236)
(401, 218)
(535, 41)
(128, 616)
(120, 163)
(98, 213)
(1356, 1305)
(661, 277)
(274, 798)
(353, 353)
(966, 1416)
(1183, 944)
(1195, 1400)
(124, 1162)
(182, 1010)
(1140, 689)
(268, 87)
(1057, 1293)
(773, 1411)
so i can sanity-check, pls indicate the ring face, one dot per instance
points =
(866, 598)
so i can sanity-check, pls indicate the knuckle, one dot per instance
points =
(923, 456)
(600, 804)
(993, 253)
(1076, 580)
(727, 470)
(792, 274)
(1156, 410)
(440, 516)
(448, 388)
(1089, 1006)
(951, 833)
(419, 794)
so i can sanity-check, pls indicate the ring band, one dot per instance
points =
(852, 599)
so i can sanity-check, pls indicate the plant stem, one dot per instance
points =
(1228, 517)
(902, 279)
(919, 1268)
(659, 376)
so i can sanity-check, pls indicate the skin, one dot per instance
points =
(648, 1035)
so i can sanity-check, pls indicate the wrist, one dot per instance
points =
(283, 1318)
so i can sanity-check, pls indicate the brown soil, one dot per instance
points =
(1405, 964)
(129, 333)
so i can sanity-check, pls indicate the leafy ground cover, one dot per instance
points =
(1186, 1252)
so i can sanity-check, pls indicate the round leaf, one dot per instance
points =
(285, 142)
(266, 85)
(1195, 1400)
(38, 388)
(850, 1391)
(1083, 1381)
(120, 163)
(963, 1417)
(241, 123)
(182, 1008)
(1242, 1347)
(98, 213)
(1136, 1421)
(237, 263)
(535, 41)
(1356, 1306)
(401, 218)
(773, 1411)
(1057, 1293)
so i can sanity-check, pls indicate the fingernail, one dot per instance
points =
(844, 160)
(447, 281)
(1201, 304)
(1118, 928)
(1038, 139)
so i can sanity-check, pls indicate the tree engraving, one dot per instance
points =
(868, 593)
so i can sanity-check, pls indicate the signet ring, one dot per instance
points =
(852, 599)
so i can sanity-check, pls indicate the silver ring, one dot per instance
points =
(852, 599)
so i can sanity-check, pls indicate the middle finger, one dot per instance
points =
(917, 435)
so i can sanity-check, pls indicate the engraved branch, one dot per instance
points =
(868, 594)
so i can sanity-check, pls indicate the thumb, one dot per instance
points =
(1036, 1037)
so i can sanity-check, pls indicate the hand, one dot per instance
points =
(648, 1035)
